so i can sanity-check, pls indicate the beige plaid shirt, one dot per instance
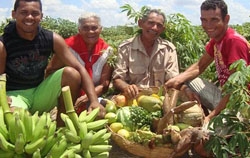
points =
(135, 66)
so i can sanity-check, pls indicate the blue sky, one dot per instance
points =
(110, 12)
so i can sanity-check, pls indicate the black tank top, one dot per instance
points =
(26, 60)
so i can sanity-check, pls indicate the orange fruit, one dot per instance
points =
(120, 100)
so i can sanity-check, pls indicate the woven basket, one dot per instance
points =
(164, 151)
(140, 150)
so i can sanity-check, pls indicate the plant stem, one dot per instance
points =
(70, 111)
(3, 100)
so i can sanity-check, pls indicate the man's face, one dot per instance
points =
(90, 31)
(213, 24)
(28, 16)
(153, 26)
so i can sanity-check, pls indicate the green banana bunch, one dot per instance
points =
(90, 132)
(99, 148)
(20, 143)
(28, 125)
(72, 137)
(82, 116)
(31, 147)
(102, 155)
(37, 153)
(91, 116)
(76, 147)
(3, 126)
(6, 153)
(68, 153)
(12, 130)
(83, 130)
(97, 125)
(58, 148)
(20, 129)
(38, 136)
(27, 134)
(51, 140)
(5, 145)
(41, 128)
(86, 153)
(86, 141)
(103, 139)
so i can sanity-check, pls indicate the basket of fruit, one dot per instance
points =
(146, 128)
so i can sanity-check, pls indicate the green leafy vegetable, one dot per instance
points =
(136, 117)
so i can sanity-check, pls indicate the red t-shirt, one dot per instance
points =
(77, 44)
(229, 49)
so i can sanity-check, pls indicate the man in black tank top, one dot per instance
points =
(34, 81)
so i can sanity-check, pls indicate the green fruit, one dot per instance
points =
(110, 106)
(150, 103)
(162, 98)
(111, 117)
(183, 125)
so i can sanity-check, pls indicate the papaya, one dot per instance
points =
(150, 103)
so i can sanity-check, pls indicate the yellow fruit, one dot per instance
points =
(155, 95)
(123, 132)
(132, 102)
(110, 106)
(111, 117)
(116, 126)
(120, 100)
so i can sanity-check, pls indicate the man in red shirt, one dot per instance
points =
(225, 47)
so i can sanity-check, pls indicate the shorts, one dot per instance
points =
(210, 95)
(42, 98)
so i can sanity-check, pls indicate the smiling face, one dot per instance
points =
(213, 23)
(90, 30)
(152, 27)
(28, 16)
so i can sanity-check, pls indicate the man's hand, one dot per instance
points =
(173, 83)
(83, 101)
(131, 91)
(96, 104)
(206, 120)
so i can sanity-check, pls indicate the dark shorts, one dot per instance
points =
(210, 95)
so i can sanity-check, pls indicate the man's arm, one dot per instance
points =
(2, 58)
(104, 80)
(221, 106)
(65, 57)
(193, 71)
(130, 91)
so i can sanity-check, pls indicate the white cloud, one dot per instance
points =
(4, 13)
(238, 12)
(110, 11)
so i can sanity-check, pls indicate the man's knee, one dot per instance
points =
(71, 75)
